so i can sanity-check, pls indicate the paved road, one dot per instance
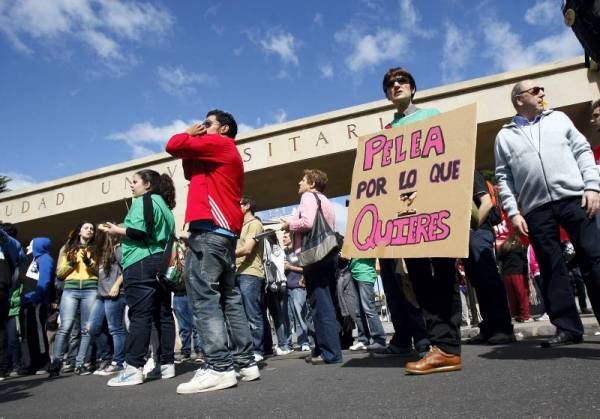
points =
(507, 381)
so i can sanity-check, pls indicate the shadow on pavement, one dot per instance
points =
(371, 362)
(18, 388)
(530, 349)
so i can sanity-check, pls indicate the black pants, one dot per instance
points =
(482, 271)
(434, 282)
(4, 308)
(34, 344)
(543, 223)
(148, 301)
(408, 321)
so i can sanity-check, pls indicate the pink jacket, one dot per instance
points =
(302, 220)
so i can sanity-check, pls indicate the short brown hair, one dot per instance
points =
(316, 177)
(395, 72)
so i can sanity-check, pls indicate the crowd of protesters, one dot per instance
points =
(108, 304)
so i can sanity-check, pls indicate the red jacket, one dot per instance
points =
(215, 170)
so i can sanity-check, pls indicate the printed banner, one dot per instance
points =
(412, 189)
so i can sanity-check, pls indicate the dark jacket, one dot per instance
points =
(46, 269)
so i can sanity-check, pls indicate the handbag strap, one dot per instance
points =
(318, 200)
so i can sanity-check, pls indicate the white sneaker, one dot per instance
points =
(305, 348)
(358, 346)
(206, 379)
(258, 357)
(279, 351)
(149, 366)
(249, 373)
(129, 376)
(165, 372)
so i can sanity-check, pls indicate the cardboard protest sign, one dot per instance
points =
(412, 189)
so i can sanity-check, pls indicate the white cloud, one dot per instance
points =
(18, 180)
(508, 52)
(280, 116)
(105, 25)
(318, 19)
(326, 71)
(238, 51)
(144, 138)
(282, 44)
(410, 20)
(458, 46)
(243, 128)
(177, 81)
(542, 12)
(372, 49)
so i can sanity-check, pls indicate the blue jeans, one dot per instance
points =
(369, 324)
(217, 302)
(278, 306)
(149, 303)
(112, 311)
(71, 300)
(297, 310)
(185, 319)
(482, 271)
(320, 279)
(252, 289)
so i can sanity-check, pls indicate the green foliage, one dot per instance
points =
(4, 183)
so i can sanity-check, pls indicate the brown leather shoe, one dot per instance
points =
(436, 360)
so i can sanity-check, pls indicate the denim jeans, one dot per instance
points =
(297, 310)
(12, 356)
(217, 302)
(320, 278)
(112, 311)
(369, 324)
(149, 303)
(277, 304)
(185, 320)
(252, 289)
(543, 223)
(482, 271)
(71, 300)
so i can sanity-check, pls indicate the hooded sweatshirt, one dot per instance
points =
(40, 273)
(544, 161)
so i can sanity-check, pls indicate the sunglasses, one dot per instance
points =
(207, 123)
(399, 80)
(534, 91)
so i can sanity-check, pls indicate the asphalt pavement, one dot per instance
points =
(520, 379)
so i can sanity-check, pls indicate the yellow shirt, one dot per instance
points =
(79, 275)
(251, 264)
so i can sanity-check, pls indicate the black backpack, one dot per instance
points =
(583, 16)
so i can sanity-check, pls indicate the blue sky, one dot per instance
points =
(89, 83)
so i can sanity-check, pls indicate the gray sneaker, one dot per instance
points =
(392, 350)
(376, 347)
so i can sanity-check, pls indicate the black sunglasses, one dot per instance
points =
(207, 123)
(533, 91)
(399, 80)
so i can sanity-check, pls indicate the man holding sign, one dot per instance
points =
(433, 279)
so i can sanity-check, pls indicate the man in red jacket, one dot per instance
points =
(213, 165)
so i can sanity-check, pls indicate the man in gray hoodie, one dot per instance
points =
(548, 178)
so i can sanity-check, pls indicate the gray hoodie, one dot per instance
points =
(543, 162)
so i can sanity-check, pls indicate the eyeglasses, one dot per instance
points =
(534, 91)
(399, 80)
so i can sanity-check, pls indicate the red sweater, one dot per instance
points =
(215, 170)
